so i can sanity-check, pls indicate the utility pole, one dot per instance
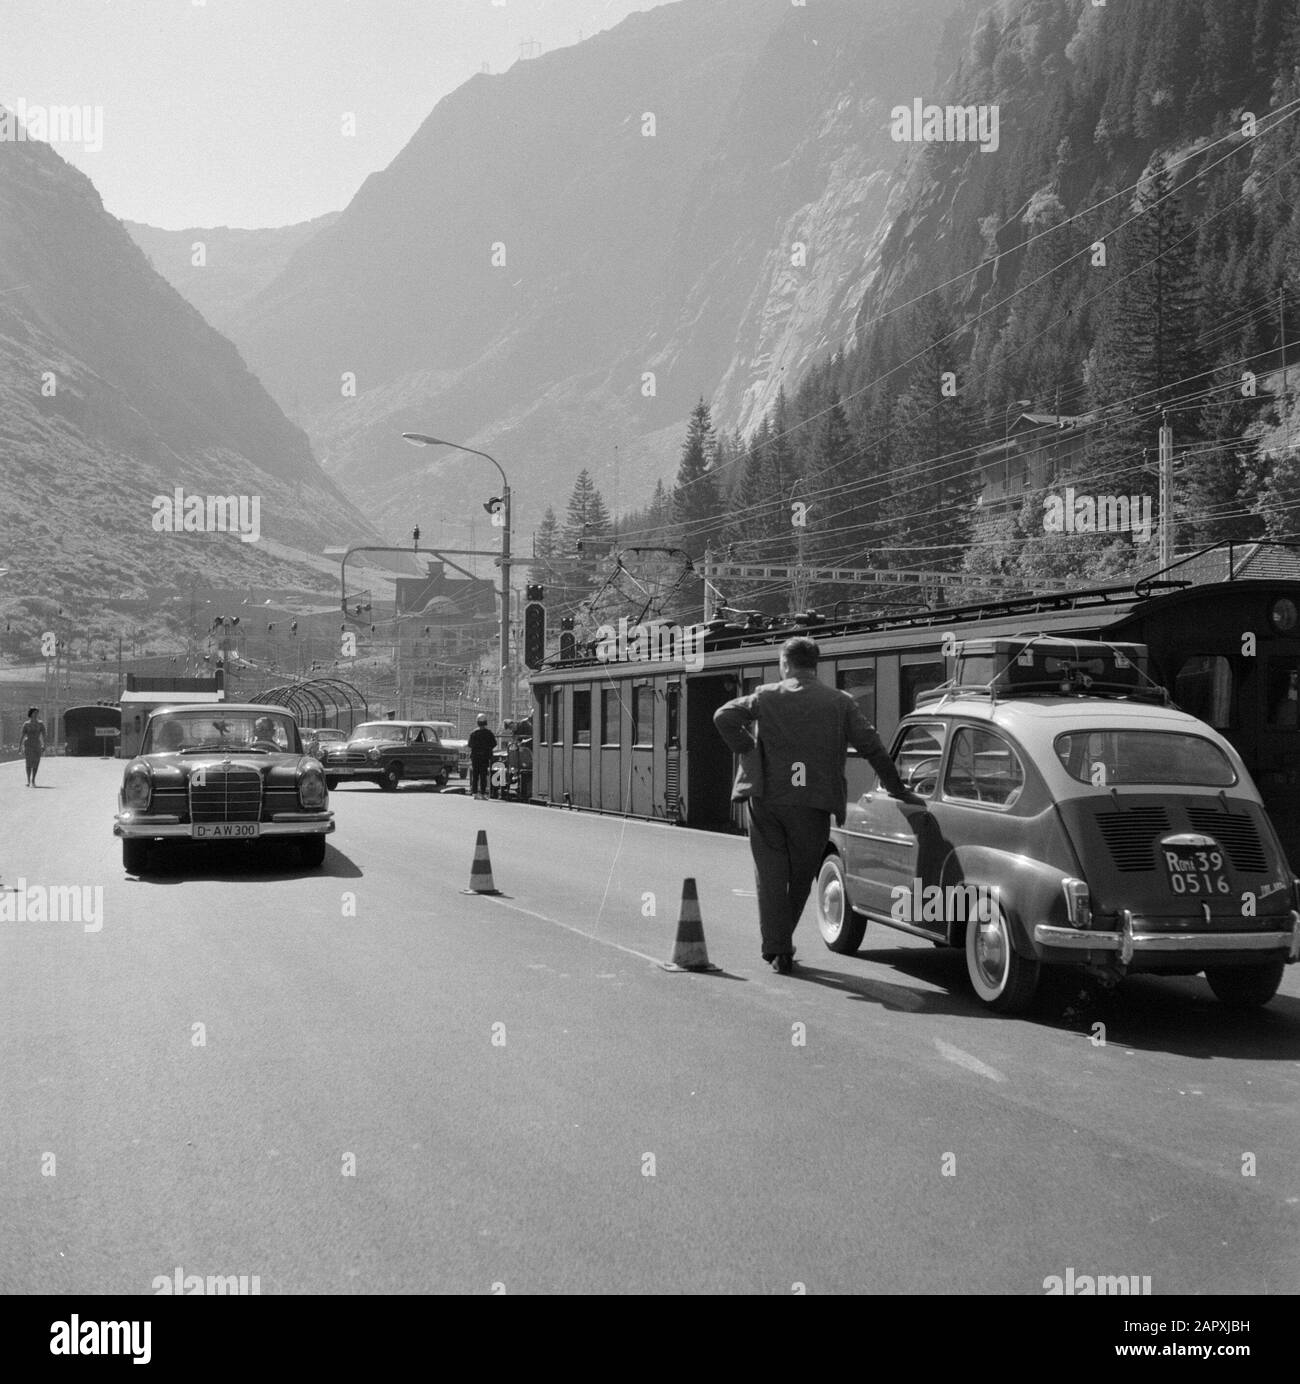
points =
(1166, 491)
(708, 585)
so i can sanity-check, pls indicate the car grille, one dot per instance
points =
(1131, 836)
(227, 795)
(1236, 833)
(347, 757)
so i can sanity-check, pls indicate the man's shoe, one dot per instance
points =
(783, 964)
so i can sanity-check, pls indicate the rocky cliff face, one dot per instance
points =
(566, 256)
(113, 391)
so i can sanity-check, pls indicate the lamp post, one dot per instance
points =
(424, 440)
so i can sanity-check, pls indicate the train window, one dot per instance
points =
(1284, 693)
(915, 678)
(643, 716)
(557, 717)
(918, 756)
(543, 698)
(582, 716)
(610, 715)
(983, 768)
(860, 684)
(1203, 688)
(674, 717)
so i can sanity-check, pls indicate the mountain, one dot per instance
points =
(114, 392)
(218, 268)
(567, 255)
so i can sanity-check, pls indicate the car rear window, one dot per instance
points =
(1107, 758)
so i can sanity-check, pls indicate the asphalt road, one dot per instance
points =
(398, 1088)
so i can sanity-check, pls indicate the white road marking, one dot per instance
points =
(964, 1059)
(568, 927)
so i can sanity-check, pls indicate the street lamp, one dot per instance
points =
(503, 503)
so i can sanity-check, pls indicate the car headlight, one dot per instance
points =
(1078, 902)
(373, 755)
(137, 787)
(311, 788)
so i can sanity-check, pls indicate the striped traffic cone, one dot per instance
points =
(689, 951)
(480, 872)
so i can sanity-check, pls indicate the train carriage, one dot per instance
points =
(636, 738)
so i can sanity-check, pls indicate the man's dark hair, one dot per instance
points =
(801, 652)
(32, 710)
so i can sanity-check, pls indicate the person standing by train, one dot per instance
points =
(792, 774)
(31, 740)
(481, 744)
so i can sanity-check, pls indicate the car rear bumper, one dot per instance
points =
(1129, 942)
(141, 827)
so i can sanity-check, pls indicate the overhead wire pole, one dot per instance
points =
(424, 440)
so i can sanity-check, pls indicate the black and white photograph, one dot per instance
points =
(650, 648)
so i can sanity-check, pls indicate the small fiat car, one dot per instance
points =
(1068, 817)
(390, 752)
(222, 772)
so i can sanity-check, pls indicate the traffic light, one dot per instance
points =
(534, 633)
(567, 648)
(533, 592)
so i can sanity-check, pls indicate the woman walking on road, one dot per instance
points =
(31, 740)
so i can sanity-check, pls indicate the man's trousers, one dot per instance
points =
(787, 844)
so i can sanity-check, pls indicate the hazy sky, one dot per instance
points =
(230, 112)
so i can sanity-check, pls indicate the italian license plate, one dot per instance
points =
(226, 831)
(1195, 873)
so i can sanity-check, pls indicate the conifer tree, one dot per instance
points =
(697, 508)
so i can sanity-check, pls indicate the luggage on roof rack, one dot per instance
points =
(1036, 665)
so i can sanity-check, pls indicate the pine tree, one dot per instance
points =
(546, 549)
(586, 523)
(697, 508)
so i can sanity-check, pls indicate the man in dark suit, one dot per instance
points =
(792, 773)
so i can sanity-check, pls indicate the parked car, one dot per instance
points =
(315, 738)
(1069, 819)
(450, 736)
(222, 772)
(388, 753)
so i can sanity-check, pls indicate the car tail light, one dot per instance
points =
(1078, 902)
(137, 787)
(311, 788)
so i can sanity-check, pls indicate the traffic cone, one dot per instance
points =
(689, 951)
(480, 872)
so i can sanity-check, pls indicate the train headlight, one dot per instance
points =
(1284, 616)
(137, 787)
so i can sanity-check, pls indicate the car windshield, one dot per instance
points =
(186, 732)
(1110, 757)
(379, 730)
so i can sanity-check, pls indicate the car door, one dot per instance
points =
(422, 745)
(882, 836)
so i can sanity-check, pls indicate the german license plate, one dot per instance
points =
(1195, 873)
(226, 831)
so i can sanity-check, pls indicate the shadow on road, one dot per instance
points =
(1173, 1014)
(176, 863)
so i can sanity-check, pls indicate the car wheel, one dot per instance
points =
(841, 927)
(1002, 978)
(135, 857)
(441, 779)
(391, 777)
(311, 851)
(331, 782)
(1245, 987)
